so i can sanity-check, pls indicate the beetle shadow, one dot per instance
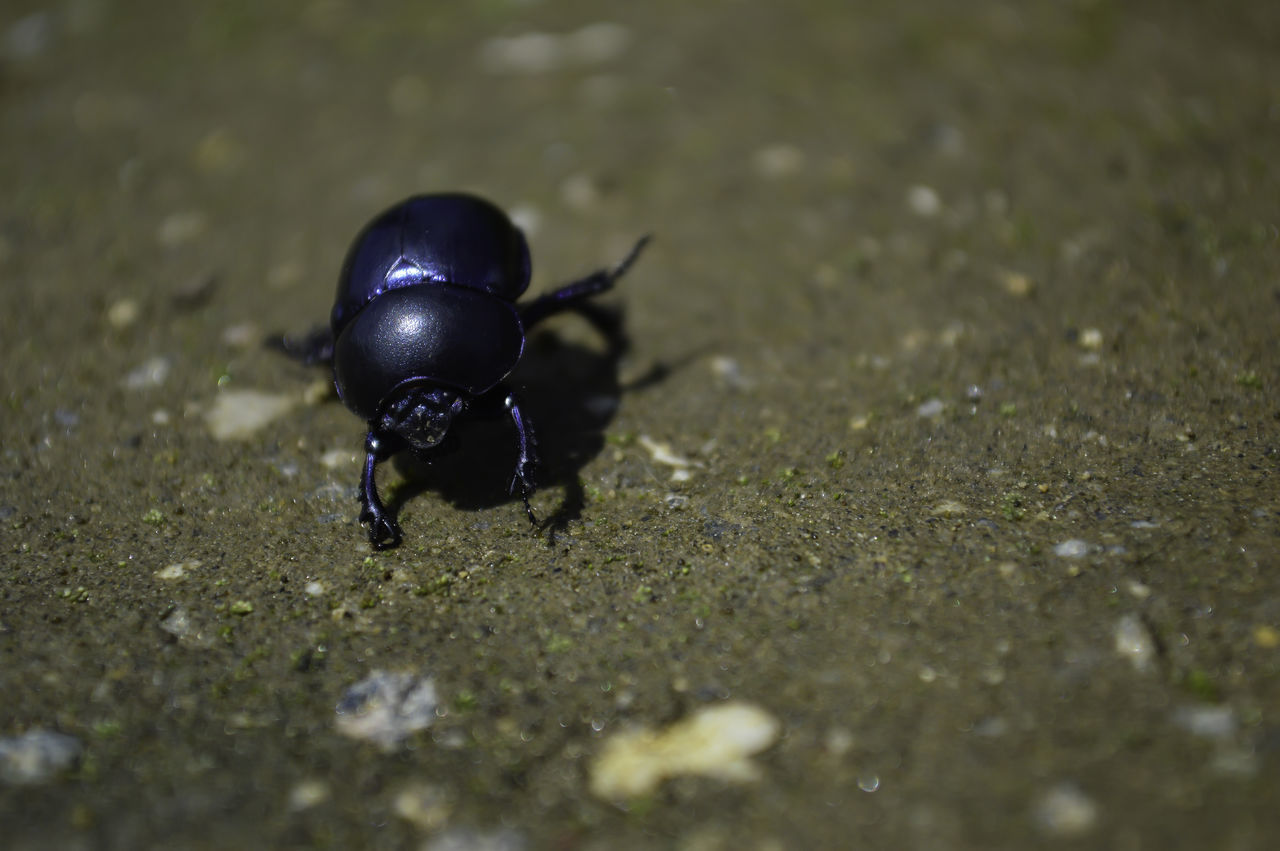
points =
(569, 394)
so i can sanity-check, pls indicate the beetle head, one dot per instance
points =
(422, 414)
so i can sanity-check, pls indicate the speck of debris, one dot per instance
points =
(715, 741)
(36, 756)
(314, 588)
(239, 414)
(386, 708)
(1072, 548)
(151, 373)
(1065, 811)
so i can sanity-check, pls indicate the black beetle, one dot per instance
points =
(425, 327)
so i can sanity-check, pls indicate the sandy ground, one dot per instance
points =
(925, 495)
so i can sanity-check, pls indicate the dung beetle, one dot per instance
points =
(425, 327)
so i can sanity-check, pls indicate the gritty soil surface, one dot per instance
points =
(920, 490)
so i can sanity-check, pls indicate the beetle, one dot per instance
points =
(425, 327)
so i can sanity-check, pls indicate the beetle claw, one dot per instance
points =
(384, 533)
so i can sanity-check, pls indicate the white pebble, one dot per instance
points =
(307, 794)
(123, 313)
(1073, 548)
(150, 373)
(1065, 811)
(181, 228)
(238, 414)
(386, 708)
(1134, 641)
(1209, 722)
(923, 201)
(1090, 338)
(777, 161)
(931, 408)
(177, 570)
(36, 756)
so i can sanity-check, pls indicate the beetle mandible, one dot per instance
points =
(425, 326)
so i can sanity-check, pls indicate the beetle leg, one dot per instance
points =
(573, 294)
(528, 454)
(384, 532)
(314, 348)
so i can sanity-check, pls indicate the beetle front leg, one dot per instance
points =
(527, 457)
(384, 532)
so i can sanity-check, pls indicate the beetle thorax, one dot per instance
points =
(422, 414)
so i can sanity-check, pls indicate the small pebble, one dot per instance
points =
(123, 313)
(28, 37)
(151, 373)
(181, 228)
(1065, 812)
(661, 453)
(36, 756)
(1090, 338)
(467, 839)
(924, 201)
(539, 52)
(242, 335)
(386, 708)
(1134, 641)
(335, 458)
(777, 161)
(308, 794)
(1208, 722)
(578, 191)
(177, 570)
(1073, 548)
(1016, 284)
(931, 408)
(729, 371)
(239, 414)
(424, 805)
